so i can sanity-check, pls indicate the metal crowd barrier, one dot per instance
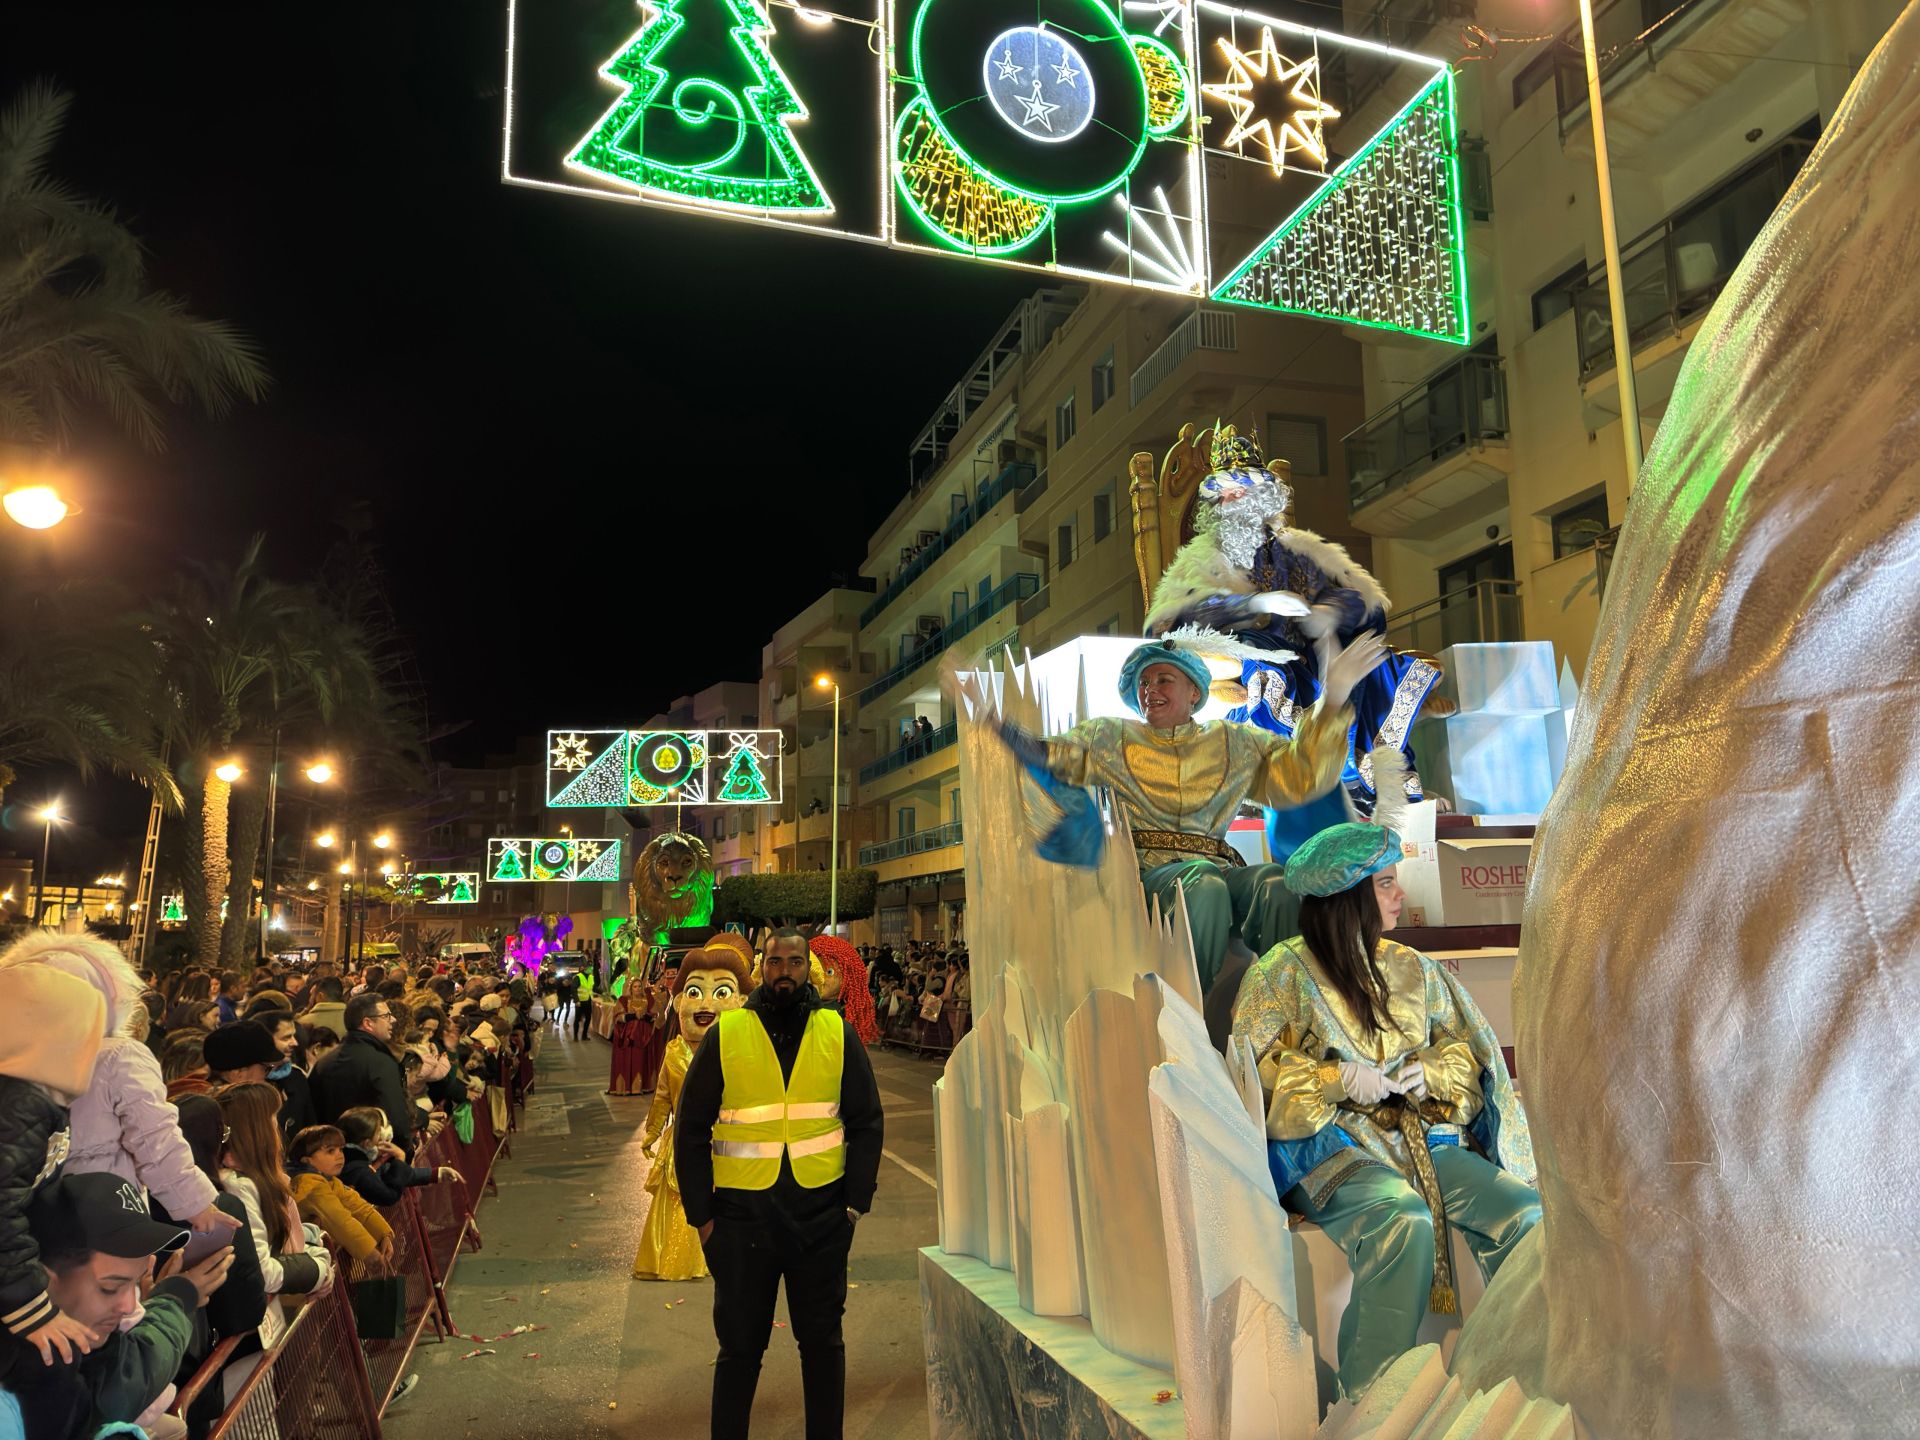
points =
(321, 1378)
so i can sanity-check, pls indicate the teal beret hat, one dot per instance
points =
(1161, 652)
(1340, 857)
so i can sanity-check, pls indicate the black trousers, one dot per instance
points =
(748, 1262)
(582, 1018)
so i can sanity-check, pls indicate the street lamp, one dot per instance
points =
(48, 815)
(382, 840)
(320, 772)
(229, 772)
(827, 682)
(1610, 250)
(325, 839)
(36, 507)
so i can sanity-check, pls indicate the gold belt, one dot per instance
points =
(1207, 845)
(1395, 1114)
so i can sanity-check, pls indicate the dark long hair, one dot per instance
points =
(1343, 932)
(252, 1112)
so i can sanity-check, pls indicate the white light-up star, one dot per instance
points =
(570, 752)
(1008, 70)
(1065, 74)
(1036, 108)
(1295, 118)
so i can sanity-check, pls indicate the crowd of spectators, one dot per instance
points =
(922, 992)
(180, 1154)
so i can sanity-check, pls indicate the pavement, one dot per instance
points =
(622, 1357)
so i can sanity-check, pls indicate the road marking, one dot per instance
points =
(912, 1169)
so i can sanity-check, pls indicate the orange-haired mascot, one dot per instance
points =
(711, 980)
(847, 985)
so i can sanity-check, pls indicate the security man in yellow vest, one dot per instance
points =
(777, 1144)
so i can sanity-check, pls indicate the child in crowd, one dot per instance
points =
(376, 1168)
(321, 1042)
(51, 1026)
(315, 1159)
(293, 1257)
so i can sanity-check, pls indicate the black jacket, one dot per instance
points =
(384, 1183)
(788, 1207)
(29, 1120)
(296, 1101)
(362, 1072)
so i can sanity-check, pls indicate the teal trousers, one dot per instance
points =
(1383, 1225)
(1250, 901)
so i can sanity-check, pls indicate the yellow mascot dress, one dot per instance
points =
(711, 980)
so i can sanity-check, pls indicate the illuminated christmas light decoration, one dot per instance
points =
(553, 858)
(1382, 242)
(721, 138)
(436, 887)
(1169, 259)
(1274, 102)
(1169, 14)
(570, 752)
(653, 767)
(959, 206)
(745, 781)
(1168, 95)
(173, 909)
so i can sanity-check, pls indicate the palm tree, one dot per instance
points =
(79, 328)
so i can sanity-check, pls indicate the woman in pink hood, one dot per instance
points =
(123, 1122)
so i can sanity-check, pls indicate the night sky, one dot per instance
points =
(607, 450)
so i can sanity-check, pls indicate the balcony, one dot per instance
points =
(1479, 614)
(1202, 330)
(918, 843)
(914, 750)
(1011, 590)
(1433, 457)
(1664, 60)
(1030, 493)
(1010, 479)
(1355, 76)
(1674, 271)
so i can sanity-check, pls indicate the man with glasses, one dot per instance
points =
(364, 1070)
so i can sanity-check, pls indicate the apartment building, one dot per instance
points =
(822, 640)
(1016, 527)
(1493, 482)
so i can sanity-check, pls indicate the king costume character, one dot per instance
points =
(1386, 1180)
(1227, 591)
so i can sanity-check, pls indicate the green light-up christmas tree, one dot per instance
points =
(706, 112)
(509, 867)
(745, 779)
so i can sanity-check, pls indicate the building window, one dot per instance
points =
(1063, 422)
(1103, 514)
(1109, 626)
(1533, 75)
(1555, 298)
(477, 797)
(1063, 546)
(903, 820)
(1300, 440)
(1578, 526)
(956, 806)
(1102, 380)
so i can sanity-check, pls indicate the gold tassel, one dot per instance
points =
(1441, 1300)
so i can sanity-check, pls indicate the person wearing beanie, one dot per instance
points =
(240, 1053)
(51, 1026)
(123, 1124)
(1390, 1114)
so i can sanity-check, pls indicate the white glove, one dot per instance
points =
(1409, 1079)
(1350, 666)
(1320, 621)
(1280, 602)
(1364, 1084)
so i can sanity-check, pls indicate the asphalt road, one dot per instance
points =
(622, 1357)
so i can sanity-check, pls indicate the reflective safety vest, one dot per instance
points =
(761, 1117)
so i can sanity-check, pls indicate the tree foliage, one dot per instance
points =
(797, 897)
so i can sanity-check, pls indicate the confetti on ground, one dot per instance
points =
(471, 1353)
(477, 1339)
(853, 1284)
(613, 1404)
(1163, 1397)
(531, 1355)
(547, 1291)
(680, 1302)
(666, 1307)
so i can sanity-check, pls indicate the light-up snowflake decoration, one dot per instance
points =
(570, 752)
(1274, 102)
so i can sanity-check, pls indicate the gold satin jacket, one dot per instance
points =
(1192, 778)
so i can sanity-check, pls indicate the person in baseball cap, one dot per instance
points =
(240, 1052)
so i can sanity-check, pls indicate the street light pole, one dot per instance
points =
(47, 816)
(833, 856)
(1610, 247)
(266, 883)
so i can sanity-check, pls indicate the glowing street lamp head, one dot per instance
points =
(346, 867)
(229, 772)
(313, 884)
(37, 507)
(824, 681)
(320, 772)
(387, 869)
(51, 814)
(324, 839)
(382, 840)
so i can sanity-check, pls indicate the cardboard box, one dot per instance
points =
(1467, 882)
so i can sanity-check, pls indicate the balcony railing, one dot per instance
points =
(1355, 75)
(917, 843)
(1463, 405)
(1202, 330)
(1480, 614)
(1029, 493)
(1674, 271)
(1622, 31)
(916, 749)
(1034, 604)
(1011, 477)
(1010, 590)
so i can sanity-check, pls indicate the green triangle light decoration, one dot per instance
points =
(705, 113)
(602, 782)
(1382, 242)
